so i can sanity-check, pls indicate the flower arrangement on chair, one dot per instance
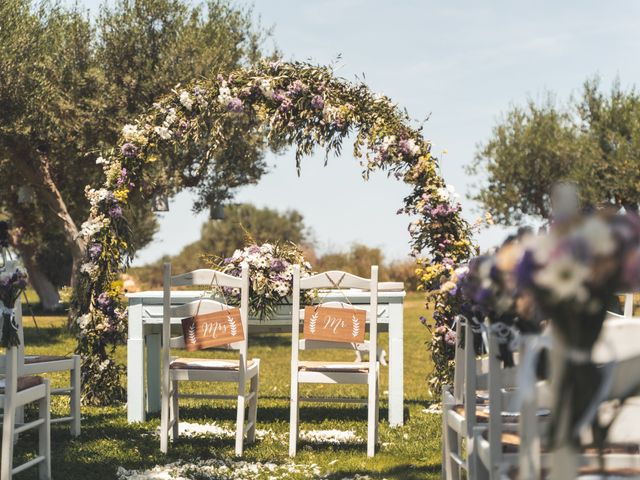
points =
(13, 281)
(573, 274)
(270, 271)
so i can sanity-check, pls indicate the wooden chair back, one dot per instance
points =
(335, 324)
(206, 323)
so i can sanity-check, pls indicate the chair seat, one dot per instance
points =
(31, 359)
(482, 414)
(207, 364)
(588, 473)
(350, 367)
(23, 383)
(511, 444)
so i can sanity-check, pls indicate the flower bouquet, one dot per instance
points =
(271, 273)
(573, 273)
(13, 282)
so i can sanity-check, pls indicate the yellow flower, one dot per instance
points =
(121, 195)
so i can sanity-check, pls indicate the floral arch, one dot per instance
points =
(296, 104)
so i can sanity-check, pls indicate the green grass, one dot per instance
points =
(107, 441)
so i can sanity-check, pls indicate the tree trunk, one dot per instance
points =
(47, 291)
(40, 177)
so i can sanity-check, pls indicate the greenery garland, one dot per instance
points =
(295, 104)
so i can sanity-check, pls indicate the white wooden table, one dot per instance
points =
(145, 325)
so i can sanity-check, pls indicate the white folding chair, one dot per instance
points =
(458, 403)
(208, 370)
(320, 372)
(41, 364)
(16, 391)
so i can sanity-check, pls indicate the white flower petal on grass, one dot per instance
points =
(224, 469)
(335, 437)
(187, 429)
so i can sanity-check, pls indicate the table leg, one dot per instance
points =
(153, 372)
(135, 380)
(135, 366)
(396, 365)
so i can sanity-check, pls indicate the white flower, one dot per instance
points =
(564, 278)
(90, 269)
(266, 88)
(93, 226)
(171, 117)
(542, 246)
(598, 236)
(83, 321)
(186, 100)
(130, 132)
(163, 132)
(96, 196)
(100, 160)
(412, 147)
(224, 97)
(388, 141)
(448, 193)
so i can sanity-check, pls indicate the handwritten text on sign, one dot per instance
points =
(212, 329)
(334, 324)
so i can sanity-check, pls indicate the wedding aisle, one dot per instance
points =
(329, 448)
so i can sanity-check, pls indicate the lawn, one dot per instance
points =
(108, 441)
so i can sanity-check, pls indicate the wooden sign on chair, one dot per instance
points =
(330, 324)
(212, 329)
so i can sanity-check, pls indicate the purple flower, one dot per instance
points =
(115, 211)
(286, 105)
(317, 102)
(105, 303)
(235, 105)
(423, 320)
(525, 269)
(278, 265)
(95, 250)
(129, 150)
(297, 87)
(404, 146)
(122, 179)
(450, 337)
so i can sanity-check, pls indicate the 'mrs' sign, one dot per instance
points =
(212, 329)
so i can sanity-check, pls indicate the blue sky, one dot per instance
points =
(461, 63)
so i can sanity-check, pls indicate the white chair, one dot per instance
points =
(16, 391)
(208, 370)
(496, 445)
(41, 364)
(320, 372)
(506, 451)
(470, 374)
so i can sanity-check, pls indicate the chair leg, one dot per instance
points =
(371, 420)
(44, 435)
(253, 407)
(294, 418)
(76, 391)
(240, 418)
(19, 421)
(164, 421)
(8, 425)
(174, 416)
(450, 444)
